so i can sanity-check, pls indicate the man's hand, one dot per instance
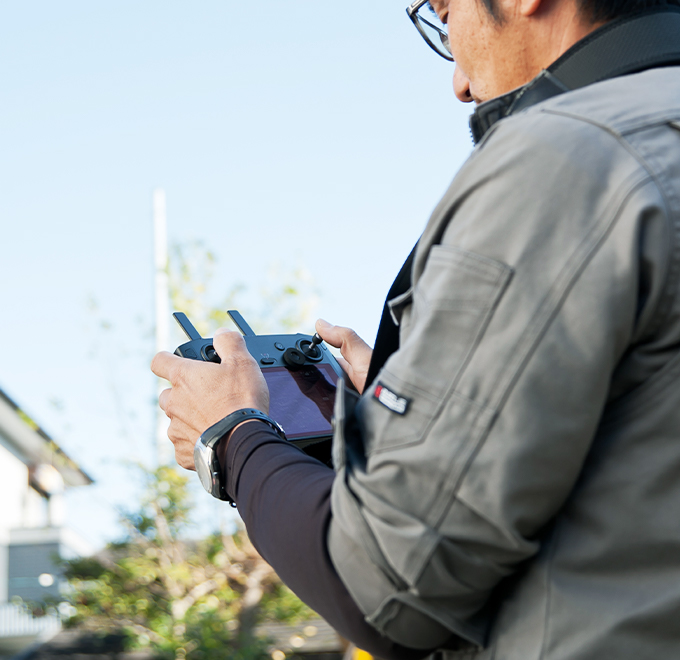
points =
(203, 393)
(356, 353)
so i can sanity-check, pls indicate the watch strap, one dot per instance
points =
(211, 436)
(218, 431)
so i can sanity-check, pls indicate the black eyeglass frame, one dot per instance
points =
(412, 11)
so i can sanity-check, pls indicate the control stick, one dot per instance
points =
(310, 347)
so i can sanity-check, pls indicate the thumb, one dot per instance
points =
(329, 333)
(348, 341)
(227, 342)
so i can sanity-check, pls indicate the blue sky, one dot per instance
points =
(299, 134)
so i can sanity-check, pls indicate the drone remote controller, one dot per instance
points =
(301, 374)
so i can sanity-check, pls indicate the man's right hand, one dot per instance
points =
(356, 353)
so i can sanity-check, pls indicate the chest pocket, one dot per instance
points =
(442, 319)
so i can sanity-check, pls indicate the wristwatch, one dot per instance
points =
(205, 456)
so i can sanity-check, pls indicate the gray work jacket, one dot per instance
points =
(513, 475)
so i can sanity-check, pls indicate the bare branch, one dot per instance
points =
(180, 607)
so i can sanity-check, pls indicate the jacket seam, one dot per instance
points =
(556, 297)
(640, 124)
(623, 408)
(664, 304)
(490, 521)
(669, 119)
(673, 253)
(550, 561)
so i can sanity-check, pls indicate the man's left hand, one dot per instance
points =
(203, 393)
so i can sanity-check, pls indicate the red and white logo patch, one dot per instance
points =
(391, 400)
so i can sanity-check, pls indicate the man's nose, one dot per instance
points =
(461, 86)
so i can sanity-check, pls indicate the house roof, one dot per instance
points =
(33, 445)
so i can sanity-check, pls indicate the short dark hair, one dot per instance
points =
(598, 10)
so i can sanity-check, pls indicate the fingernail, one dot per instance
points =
(324, 324)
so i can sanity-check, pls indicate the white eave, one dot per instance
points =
(28, 441)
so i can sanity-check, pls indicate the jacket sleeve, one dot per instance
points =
(453, 464)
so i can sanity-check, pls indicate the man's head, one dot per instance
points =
(499, 45)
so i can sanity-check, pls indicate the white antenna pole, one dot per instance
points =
(162, 296)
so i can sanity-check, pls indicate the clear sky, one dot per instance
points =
(286, 134)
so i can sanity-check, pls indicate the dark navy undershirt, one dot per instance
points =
(283, 496)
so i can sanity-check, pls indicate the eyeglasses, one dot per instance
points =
(431, 28)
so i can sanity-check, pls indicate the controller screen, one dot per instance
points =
(302, 400)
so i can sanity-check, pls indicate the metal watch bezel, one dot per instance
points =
(205, 457)
(208, 467)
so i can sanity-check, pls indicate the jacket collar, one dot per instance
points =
(627, 45)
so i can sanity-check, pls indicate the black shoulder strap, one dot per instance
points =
(627, 45)
(387, 339)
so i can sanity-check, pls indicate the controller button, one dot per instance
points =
(211, 354)
(310, 350)
(280, 346)
(293, 357)
(267, 360)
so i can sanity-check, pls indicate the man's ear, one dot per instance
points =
(530, 7)
(522, 7)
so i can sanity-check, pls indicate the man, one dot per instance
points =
(520, 501)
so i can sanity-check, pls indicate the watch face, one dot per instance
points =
(203, 461)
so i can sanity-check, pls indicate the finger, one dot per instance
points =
(163, 364)
(163, 400)
(328, 332)
(346, 366)
(350, 344)
(183, 437)
(229, 342)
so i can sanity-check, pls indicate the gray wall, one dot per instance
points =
(26, 563)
